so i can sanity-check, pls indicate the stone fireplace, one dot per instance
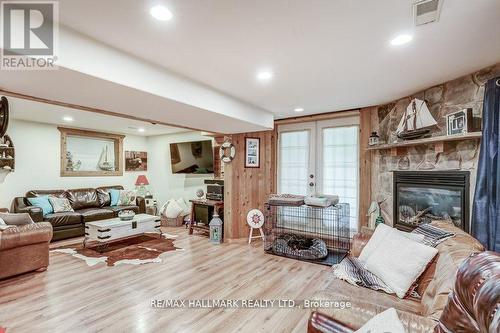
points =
(423, 196)
(455, 156)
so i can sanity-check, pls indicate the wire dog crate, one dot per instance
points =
(314, 234)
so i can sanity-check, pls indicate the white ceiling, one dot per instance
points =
(23, 109)
(326, 55)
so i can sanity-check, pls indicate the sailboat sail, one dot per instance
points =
(103, 161)
(417, 116)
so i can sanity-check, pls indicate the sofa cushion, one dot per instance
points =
(54, 193)
(386, 321)
(16, 218)
(60, 205)
(65, 218)
(104, 196)
(345, 291)
(117, 209)
(95, 214)
(452, 253)
(395, 259)
(42, 202)
(83, 198)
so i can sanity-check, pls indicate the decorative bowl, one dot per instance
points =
(126, 215)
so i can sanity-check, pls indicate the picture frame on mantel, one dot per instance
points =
(459, 122)
(90, 154)
(252, 153)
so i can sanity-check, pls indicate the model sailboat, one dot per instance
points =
(416, 121)
(103, 161)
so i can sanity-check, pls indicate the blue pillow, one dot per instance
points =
(115, 197)
(42, 202)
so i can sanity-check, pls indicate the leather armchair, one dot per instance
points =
(19, 206)
(24, 248)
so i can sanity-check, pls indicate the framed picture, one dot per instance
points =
(136, 161)
(89, 154)
(459, 122)
(252, 153)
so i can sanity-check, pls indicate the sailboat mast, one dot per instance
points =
(414, 107)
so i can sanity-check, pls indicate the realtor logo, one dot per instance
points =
(29, 35)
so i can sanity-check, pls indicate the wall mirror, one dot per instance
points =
(87, 153)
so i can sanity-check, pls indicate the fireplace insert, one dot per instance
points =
(423, 196)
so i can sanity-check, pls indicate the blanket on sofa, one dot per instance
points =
(353, 271)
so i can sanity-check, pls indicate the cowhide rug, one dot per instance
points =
(133, 251)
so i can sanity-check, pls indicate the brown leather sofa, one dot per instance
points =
(417, 314)
(24, 248)
(472, 305)
(89, 204)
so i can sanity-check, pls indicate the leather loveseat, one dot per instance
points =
(89, 204)
(417, 314)
(472, 305)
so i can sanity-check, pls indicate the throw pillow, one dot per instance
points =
(115, 196)
(387, 321)
(16, 219)
(395, 259)
(126, 198)
(173, 209)
(60, 205)
(186, 209)
(42, 202)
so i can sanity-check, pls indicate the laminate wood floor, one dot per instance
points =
(73, 297)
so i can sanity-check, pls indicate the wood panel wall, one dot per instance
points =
(247, 188)
(365, 160)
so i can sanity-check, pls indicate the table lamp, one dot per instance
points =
(141, 181)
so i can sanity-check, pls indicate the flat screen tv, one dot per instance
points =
(196, 157)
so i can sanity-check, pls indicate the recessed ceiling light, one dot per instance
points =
(68, 118)
(298, 109)
(161, 13)
(401, 40)
(264, 76)
(140, 129)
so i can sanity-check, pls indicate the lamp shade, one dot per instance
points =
(142, 180)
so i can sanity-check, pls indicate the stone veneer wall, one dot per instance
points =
(464, 92)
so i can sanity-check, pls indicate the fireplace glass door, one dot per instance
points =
(421, 197)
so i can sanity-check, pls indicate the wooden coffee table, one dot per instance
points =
(106, 231)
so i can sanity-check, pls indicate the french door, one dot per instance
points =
(321, 157)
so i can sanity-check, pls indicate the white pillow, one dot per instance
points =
(387, 321)
(2, 222)
(173, 209)
(186, 210)
(395, 259)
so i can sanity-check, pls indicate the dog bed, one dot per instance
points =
(297, 246)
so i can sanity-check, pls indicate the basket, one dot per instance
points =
(175, 222)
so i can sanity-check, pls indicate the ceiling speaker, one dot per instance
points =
(426, 11)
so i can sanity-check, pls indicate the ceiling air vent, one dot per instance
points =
(426, 11)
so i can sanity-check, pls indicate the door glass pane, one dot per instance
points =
(341, 165)
(294, 162)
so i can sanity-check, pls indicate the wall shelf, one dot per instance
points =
(437, 141)
(7, 155)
